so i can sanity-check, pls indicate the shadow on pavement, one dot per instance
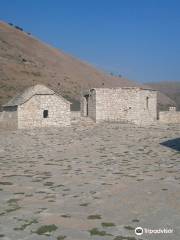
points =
(173, 143)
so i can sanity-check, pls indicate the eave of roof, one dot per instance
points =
(29, 93)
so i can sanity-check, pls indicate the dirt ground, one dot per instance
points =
(90, 182)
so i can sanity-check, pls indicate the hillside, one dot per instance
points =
(171, 89)
(25, 61)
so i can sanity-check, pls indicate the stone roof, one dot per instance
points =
(29, 93)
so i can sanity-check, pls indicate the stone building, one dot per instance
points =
(37, 106)
(134, 105)
(171, 116)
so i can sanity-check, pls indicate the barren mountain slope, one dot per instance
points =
(171, 89)
(25, 61)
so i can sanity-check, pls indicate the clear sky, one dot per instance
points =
(139, 39)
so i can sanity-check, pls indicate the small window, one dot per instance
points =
(147, 102)
(45, 113)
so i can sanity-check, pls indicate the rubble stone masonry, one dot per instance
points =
(30, 114)
(171, 116)
(121, 104)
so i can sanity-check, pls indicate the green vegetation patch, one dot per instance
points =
(48, 183)
(135, 220)
(28, 223)
(46, 229)
(61, 237)
(15, 208)
(2, 213)
(96, 231)
(6, 183)
(96, 216)
(19, 193)
(84, 204)
(66, 216)
(13, 203)
(108, 224)
(129, 227)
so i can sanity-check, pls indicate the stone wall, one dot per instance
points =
(75, 115)
(9, 118)
(147, 109)
(92, 105)
(123, 104)
(169, 117)
(30, 114)
(88, 104)
(83, 106)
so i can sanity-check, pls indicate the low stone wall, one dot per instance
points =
(8, 120)
(169, 117)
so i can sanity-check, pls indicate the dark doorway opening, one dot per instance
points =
(45, 114)
(86, 104)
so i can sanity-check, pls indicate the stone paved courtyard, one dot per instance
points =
(89, 182)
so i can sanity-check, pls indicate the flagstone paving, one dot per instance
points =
(89, 182)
